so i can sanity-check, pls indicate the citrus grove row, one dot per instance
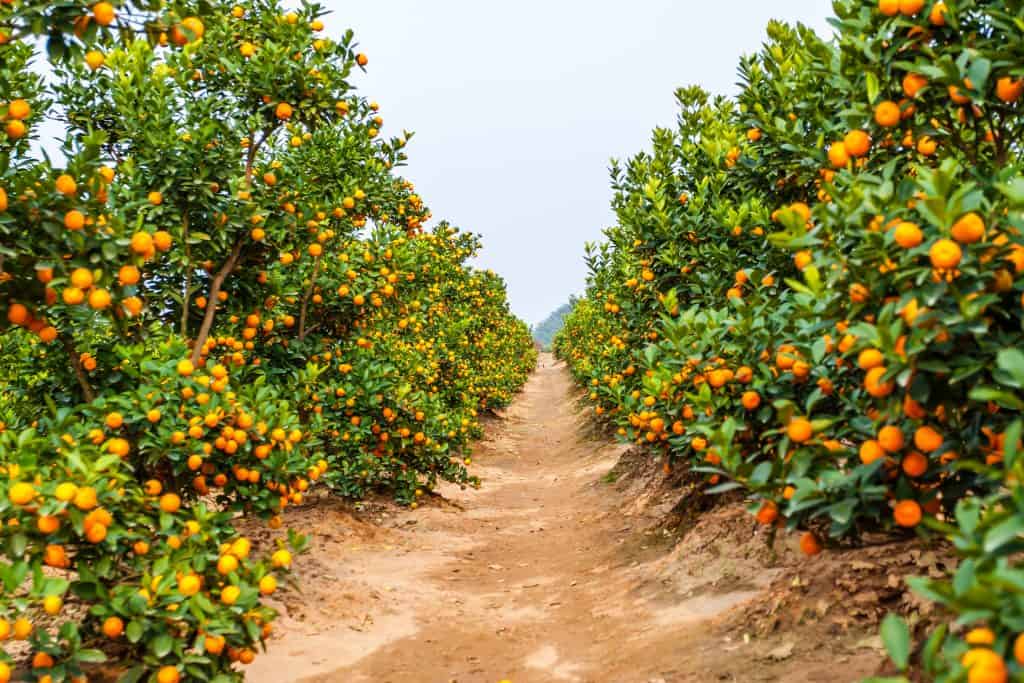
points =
(813, 294)
(220, 298)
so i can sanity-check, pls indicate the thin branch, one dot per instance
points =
(211, 302)
(76, 363)
(305, 299)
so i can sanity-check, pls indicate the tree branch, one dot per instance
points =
(211, 302)
(76, 363)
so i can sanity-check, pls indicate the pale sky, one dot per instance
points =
(518, 107)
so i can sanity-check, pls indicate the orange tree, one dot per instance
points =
(858, 371)
(224, 296)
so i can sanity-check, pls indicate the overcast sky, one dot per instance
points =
(518, 107)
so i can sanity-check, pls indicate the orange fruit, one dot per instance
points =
(362, 60)
(66, 185)
(113, 627)
(768, 513)
(870, 451)
(838, 156)
(268, 584)
(170, 502)
(799, 430)
(155, 198)
(229, 595)
(19, 110)
(21, 493)
(870, 358)
(969, 229)
(142, 243)
(168, 674)
(809, 544)
(945, 254)
(99, 299)
(887, 114)
(74, 220)
(1009, 90)
(890, 438)
(914, 464)
(857, 143)
(751, 400)
(189, 584)
(909, 8)
(907, 513)
(913, 84)
(128, 275)
(937, 17)
(889, 8)
(18, 314)
(874, 384)
(81, 278)
(927, 439)
(103, 13)
(283, 111)
(984, 666)
(908, 235)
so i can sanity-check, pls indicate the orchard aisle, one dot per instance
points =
(538, 576)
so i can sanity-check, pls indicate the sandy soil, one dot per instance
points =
(549, 572)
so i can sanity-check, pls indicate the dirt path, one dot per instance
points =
(537, 576)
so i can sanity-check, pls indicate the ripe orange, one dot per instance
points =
(913, 84)
(937, 17)
(890, 438)
(857, 143)
(268, 584)
(870, 358)
(969, 229)
(103, 13)
(945, 254)
(230, 594)
(19, 110)
(18, 314)
(15, 129)
(927, 439)
(128, 275)
(73, 296)
(768, 513)
(170, 502)
(908, 235)
(751, 400)
(185, 368)
(113, 627)
(189, 585)
(887, 114)
(168, 674)
(809, 544)
(142, 243)
(874, 384)
(66, 185)
(1009, 90)
(74, 220)
(155, 198)
(799, 430)
(870, 451)
(99, 299)
(984, 666)
(81, 278)
(907, 513)
(283, 111)
(889, 8)
(362, 60)
(909, 8)
(21, 493)
(914, 464)
(838, 155)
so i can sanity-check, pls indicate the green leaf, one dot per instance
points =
(1003, 533)
(896, 638)
(161, 645)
